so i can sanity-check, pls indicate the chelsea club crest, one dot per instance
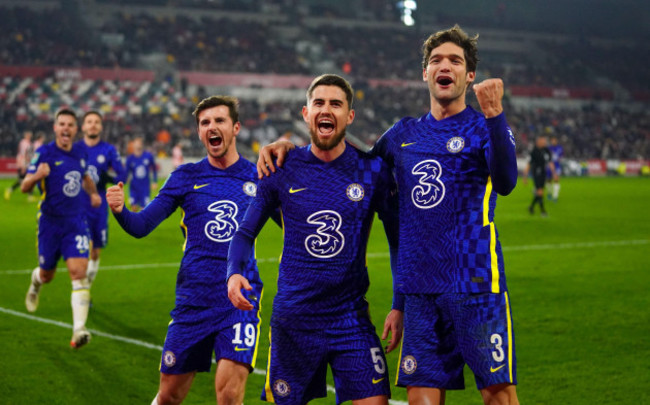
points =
(455, 144)
(250, 188)
(355, 192)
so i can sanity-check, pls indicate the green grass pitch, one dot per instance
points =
(579, 286)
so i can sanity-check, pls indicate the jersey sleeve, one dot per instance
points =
(140, 224)
(260, 209)
(500, 155)
(383, 146)
(386, 206)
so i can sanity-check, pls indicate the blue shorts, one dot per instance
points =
(195, 332)
(443, 332)
(98, 226)
(139, 195)
(298, 362)
(61, 236)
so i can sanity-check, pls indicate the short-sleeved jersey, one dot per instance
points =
(62, 188)
(102, 157)
(141, 170)
(213, 202)
(447, 239)
(327, 211)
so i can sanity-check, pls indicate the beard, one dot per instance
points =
(328, 144)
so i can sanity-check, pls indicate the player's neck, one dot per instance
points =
(225, 161)
(441, 110)
(91, 141)
(66, 147)
(328, 155)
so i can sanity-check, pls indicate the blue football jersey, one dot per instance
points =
(101, 158)
(327, 211)
(213, 202)
(141, 170)
(62, 190)
(447, 239)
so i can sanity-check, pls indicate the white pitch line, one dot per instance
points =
(124, 339)
(375, 255)
(379, 255)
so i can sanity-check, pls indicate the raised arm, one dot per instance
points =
(500, 153)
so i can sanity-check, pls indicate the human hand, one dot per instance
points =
(115, 197)
(278, 149)
(394, 325)
(489, 94)
(235, 283)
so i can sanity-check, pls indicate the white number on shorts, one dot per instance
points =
(249, 333)
(82, 242)
(378, 359)
(497, 341)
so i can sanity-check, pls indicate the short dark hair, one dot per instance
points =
(214, 101)
(92, 112)
(65, 111)
(457, 36)
(331, 80)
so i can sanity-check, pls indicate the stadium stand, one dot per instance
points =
(559, 82)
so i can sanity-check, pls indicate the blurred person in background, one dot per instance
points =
(24, 155)
(102, 159)
(540, 161)
(142, 175)
(557, 153)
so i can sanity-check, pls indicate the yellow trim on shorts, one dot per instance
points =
(267, 383)
(494, 260)
(509, 320)
(399, 358)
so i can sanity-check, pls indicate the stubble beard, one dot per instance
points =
(329, 144)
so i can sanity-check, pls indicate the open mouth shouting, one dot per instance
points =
(325, 126)
(444, 81)
(215, 140)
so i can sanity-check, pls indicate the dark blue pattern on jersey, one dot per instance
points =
(141, 171)
(213, 202)
(327, 211)
(62, 188)
(101, 158)
(447, 242)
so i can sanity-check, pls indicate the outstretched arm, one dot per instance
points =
(138, 224)
(500, 155)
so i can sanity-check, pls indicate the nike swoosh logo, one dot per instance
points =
(197, 186)
(60, 162)
(494, 370)
(375, 381)
(295, 190)
(404, 144)
(241, 349)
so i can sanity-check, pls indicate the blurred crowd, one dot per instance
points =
(161, 111)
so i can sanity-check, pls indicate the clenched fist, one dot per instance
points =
(489, 94)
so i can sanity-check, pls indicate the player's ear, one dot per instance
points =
(236, 128)
(351, 116)
(305, 113)
(470, 77)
